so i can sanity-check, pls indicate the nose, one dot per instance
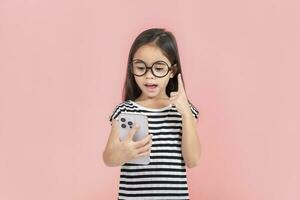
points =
(149, 73)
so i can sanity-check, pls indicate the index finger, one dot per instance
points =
(180, 84)
(132, 131)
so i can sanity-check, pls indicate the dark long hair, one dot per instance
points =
(166, 41)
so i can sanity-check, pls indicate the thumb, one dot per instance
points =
(132, 132)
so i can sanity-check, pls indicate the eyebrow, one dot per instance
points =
(140, 60)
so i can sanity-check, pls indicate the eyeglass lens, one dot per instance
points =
(159, 68)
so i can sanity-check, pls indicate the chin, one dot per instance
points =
(151, 95)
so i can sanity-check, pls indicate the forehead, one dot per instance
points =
(150, 54)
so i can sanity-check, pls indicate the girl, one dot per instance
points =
(154, 86)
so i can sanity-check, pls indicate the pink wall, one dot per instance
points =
(62, 66)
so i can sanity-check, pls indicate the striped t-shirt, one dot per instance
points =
(165, 176)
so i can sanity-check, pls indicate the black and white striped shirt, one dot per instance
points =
(165, 176)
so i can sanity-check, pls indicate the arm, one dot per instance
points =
(190, 142)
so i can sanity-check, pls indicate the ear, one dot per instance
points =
(173, 70)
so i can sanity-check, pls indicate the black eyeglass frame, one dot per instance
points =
(147, 67)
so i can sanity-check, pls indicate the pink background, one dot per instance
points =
(62, 68)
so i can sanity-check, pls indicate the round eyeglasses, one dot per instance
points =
(159, 68)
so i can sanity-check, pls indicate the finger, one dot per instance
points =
(132, 132)
(180, 83)
(143, 142)
(173, 94)
(173, 98)
(145, 148)
(144, 153)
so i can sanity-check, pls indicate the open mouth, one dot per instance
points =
(151, 86)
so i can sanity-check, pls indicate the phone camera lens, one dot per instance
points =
(123, 119)
(123, 125)
(130, 123)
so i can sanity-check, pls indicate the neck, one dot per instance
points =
(152, 99)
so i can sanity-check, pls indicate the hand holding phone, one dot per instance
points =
(126, 123)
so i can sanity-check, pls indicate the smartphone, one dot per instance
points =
(126, 122)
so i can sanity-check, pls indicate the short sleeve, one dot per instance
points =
(194, 110)
(115, 113)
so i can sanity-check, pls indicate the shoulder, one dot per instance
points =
(120, 107)
(194, 110)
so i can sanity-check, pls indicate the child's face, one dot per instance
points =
(150, 54)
